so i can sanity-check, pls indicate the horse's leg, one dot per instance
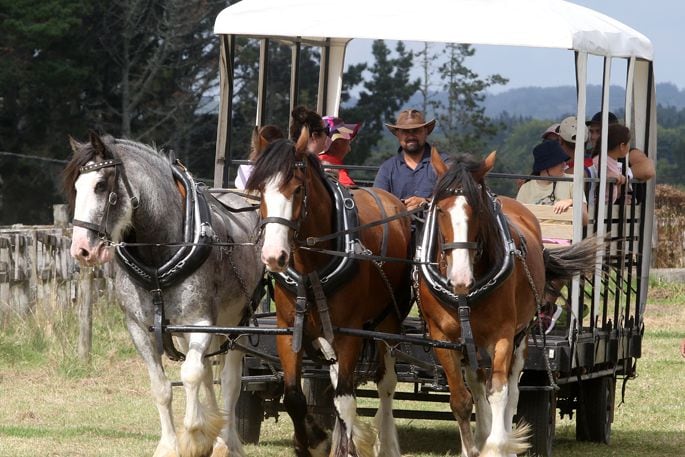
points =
(350, 436)
(519, 438)
(202, 423)
(387, 443)
(160, 386)
(500, 442)
(476, 383)
(309, 439)
(231, 383)
(461, 401)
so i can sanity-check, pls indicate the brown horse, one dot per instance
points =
(317, 292)
(483, 271)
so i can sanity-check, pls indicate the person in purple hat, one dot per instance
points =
(338, 146)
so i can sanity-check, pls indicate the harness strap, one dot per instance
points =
(312, 240)
(300, 311)
(294, 225)
(165, 343)
(466, 333)
(322, 306)
(384, 215)
(461, 245)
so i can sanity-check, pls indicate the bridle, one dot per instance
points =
(112, 197)
(471, 245)
(293, 225)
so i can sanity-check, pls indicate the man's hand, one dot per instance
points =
(414, 202)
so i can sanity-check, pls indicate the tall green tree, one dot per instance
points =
(463, 122)
(382, 95)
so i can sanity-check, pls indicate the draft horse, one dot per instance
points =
(483, 270)
(186, 261)
(317, 292)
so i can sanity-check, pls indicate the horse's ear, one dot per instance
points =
(438, 164)
(259, 143)
(301, 145)
(75, 145)
(99, 146)
(489, 162)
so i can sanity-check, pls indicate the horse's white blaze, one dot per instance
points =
(459, 270)
(275, 234)
(84, 207)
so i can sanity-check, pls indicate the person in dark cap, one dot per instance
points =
(409, 174)
(594, 125)
(550, 161)
(642, 167)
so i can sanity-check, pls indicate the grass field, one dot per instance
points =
(52, 405)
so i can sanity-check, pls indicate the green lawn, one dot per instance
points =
(52, 405)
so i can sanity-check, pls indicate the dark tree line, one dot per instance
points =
(148, 70)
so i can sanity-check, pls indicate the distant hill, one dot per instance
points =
(557, 102)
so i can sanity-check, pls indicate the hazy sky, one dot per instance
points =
(660, 20)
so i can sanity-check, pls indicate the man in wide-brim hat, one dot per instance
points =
(409, 174)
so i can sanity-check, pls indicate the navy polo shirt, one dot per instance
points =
(396, 177)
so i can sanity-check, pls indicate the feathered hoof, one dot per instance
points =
(199, 441)
(164, 451)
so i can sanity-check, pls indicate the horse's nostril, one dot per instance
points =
(83, 253)
(282, 259)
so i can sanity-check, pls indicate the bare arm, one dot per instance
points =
(641, 165)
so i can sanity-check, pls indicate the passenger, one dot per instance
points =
(550, 160)
(642, 166)
(618, 147)
(303, 117)
(568, 129)
(409, 174)
(338, 146)
(552, 133)
(267, 133)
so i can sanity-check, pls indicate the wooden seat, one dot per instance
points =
(554, 226)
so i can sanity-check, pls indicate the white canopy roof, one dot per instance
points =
(535, 23)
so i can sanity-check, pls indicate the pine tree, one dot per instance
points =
(464, 123)
(382, 96)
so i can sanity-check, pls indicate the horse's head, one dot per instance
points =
(279, 174)
(464, 215)
(95, 190)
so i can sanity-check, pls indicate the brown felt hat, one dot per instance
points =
(411, 119)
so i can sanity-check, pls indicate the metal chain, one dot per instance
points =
(538, 306)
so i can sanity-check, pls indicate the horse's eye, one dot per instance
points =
(100, 187)
(298, 190)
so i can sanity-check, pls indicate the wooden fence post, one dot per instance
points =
(85, 313)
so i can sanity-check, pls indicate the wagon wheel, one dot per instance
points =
(596, 410)
(539, 409)
(319, 395)
(249, 413)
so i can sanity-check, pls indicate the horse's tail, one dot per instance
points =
(563, 263)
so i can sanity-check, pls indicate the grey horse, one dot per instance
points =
(182, 248)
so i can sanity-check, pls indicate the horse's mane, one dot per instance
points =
(460, 175)
(279, 157)
(85, 152)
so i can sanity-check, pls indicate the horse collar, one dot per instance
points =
(425, 255)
